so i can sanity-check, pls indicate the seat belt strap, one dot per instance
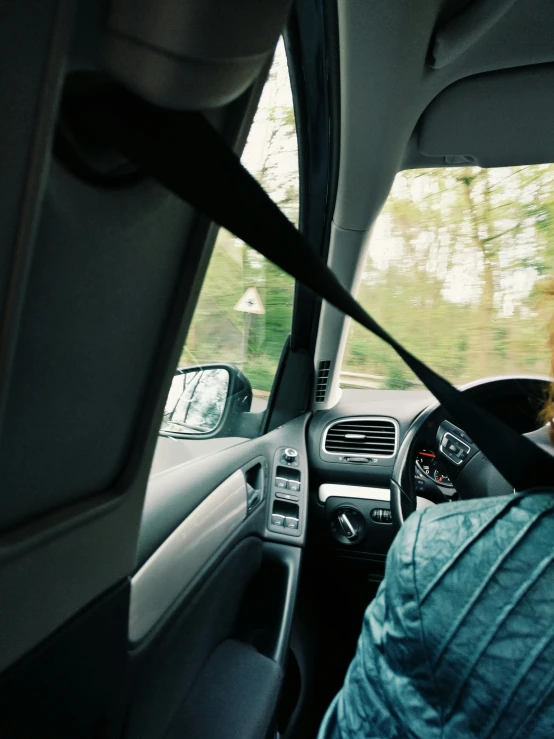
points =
(186, 155)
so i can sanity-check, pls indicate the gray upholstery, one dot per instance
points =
(244, 679)
(500, 118)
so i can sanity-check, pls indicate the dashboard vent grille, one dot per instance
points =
(323, 370)
(362, 437)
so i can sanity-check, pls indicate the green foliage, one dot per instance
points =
(260, 370)
(397, 378)
(218, 331)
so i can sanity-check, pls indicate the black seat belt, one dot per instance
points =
(186, 155)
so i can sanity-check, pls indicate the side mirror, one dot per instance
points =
(205, 400)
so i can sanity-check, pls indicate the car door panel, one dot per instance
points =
(235, 679)
(247, 599)
(174, 492)
(167, 664)
(172, 451)
(176, 562)
(213, 595)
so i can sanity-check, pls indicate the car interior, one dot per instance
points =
(190, 538)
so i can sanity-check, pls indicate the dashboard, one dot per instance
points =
(340, 506)
(352, 449)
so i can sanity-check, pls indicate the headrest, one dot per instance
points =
(191, 54)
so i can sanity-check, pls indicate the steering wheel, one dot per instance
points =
(470, 471)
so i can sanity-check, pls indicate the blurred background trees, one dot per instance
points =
(455, 270)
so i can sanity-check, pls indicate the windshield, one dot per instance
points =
(455, 271)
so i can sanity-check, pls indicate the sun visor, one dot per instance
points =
(191, 54)
(494, 120)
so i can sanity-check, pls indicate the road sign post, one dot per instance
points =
(250, 303)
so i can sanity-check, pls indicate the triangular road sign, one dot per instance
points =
(250, 302)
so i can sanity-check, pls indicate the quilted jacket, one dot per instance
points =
(459, 641)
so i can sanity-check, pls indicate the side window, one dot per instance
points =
(244, 311)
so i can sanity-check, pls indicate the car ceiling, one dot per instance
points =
(424, 82)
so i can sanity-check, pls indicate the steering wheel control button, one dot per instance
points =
(281, 482)
(454, 443)
(291, 523)
(290, 455)
(277, 520)
(454, 449)
(286, 496)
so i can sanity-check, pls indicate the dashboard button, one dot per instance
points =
(381, 515)
(454, 449)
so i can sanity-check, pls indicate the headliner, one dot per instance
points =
(435, 84)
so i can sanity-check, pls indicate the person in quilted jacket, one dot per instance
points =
(459, 641)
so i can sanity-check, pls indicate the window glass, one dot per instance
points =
(455, 272)
(244, 312)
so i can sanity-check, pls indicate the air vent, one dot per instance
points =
(323, 370)
(362, 437)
